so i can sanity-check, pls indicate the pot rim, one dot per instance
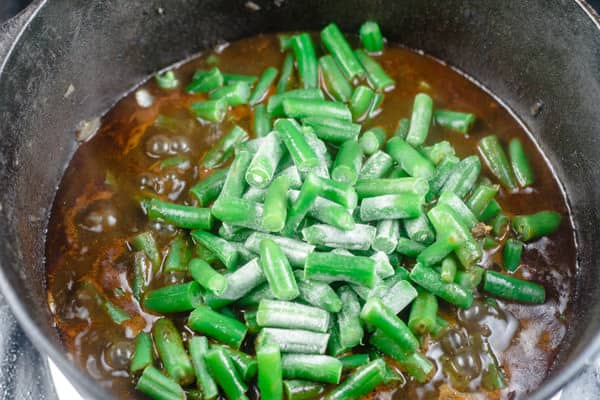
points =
(88, 387)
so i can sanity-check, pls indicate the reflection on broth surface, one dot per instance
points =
(154, 151)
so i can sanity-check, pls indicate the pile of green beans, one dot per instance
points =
(295, 246)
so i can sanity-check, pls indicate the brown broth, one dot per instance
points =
(96, 212)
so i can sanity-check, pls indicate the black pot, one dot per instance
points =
(541, 57)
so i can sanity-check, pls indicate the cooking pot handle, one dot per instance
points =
(10, 30)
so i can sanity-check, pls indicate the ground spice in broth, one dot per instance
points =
(97, 211)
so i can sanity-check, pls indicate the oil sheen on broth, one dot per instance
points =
(96, 211)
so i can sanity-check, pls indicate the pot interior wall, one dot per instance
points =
(525, 52)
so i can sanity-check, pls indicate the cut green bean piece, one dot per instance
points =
(220, 152)
(224, 373)
(334, 347)
(229, 79)
(441, 325)
(431, 281)
(414, 364)
(181, 216)
(208, 189)
(361, 382)
(463, 177)
(239, 212)
(449, 226)
(354, 361)
(419, 230)
(278, 271)
(143, 272)
(306, 57)
(288, 315)
(275, 103)
(469, 279)
(454, 120)
(533, 226)
(386, 238)
(383, 186)
(225, 329)
(275, 210)
(481, 197)
(225, 251)
(379, 315)
(336, 44)
(143, 353)
(402, 128)
(206, 81)
(437, 152)
(210, 110)
(383, 267)
(359, 238)
(461, 210)
(198, 346)
(409, 247)
(145, 243)
(262, 168)
(371, 37)
(413, 162)
(295, 340)
(171, 352)
(313, 367)
(348, 162)
(296, 389)
(159, 387)
(270, 374)
(287, 69)
(293, 176)
(492, 210)
(448, 269)
(441, 174)
(296, 251)
(328, 212)
(499, 224)
(234, 94)
(206, 276)
(376, 166)
(336, 84)
(166, 80)
(333, 130)
(437, 251)
(391, 206)
(399, 295)
(318, 294)
(253, 298)
(304, 108)
(303, 155)
(304, 202)
(520, 163)
(420, 120)
(321, 151)
(348, 319)
(361, 101)
(263, 85)
(513, 249)
(376, 75)
(423, 313)
(261, 121)
(331, 267)
(511, 288)
(492, 152)
(250, 321)
(245, 364)
(372, 140)
(342, 193)
(178, 256)
(174, 298)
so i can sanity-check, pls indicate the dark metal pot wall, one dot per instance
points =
(526, 52)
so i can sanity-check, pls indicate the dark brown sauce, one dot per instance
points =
(96, 212)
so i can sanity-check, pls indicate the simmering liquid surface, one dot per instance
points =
(97, 211)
